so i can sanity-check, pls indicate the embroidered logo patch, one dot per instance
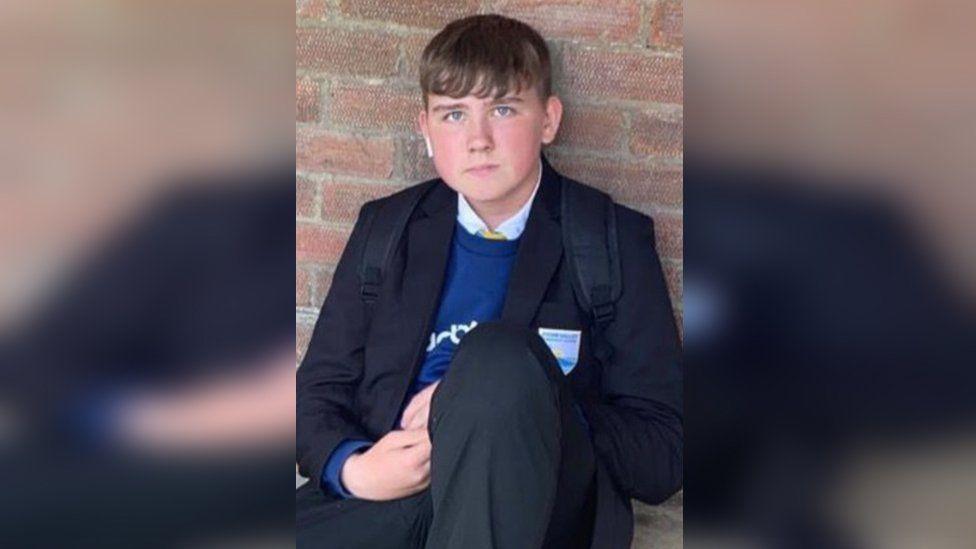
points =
(565, 345)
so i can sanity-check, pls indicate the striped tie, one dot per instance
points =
(492, 235)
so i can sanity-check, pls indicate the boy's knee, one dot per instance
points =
(501, 365)
(494, 349)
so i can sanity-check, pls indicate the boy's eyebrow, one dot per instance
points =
(462, 106)
(508, 99)
(449, 107)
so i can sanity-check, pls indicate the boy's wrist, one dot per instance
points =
(348, 473)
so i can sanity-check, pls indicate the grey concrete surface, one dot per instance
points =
(659, 526)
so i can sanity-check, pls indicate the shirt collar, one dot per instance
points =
(512, 227)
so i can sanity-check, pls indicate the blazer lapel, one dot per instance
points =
(428, 249)
(538, 254)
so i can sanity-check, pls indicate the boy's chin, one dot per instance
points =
(482, 191)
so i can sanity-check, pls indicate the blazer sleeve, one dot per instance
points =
(636, 423)
(332, 368)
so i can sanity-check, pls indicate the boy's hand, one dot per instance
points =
(398, 465)
(416, 414)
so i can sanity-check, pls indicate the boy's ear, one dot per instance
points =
(554, 115)
(422, 122)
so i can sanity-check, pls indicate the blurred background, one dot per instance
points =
(830, 274)
(146, 325)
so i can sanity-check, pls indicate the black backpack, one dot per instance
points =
(589, 230)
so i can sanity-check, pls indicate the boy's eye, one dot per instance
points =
(504, 110)
(453, 116)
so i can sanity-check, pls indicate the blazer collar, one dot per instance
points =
(550, 190)
(439, 197)
(539, 252)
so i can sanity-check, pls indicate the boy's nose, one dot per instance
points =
(480, 138)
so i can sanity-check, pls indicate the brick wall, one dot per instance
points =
(618, 69)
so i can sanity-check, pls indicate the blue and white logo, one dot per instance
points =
(455, 332)
(564, 344)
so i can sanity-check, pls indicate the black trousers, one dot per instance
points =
(512, 465)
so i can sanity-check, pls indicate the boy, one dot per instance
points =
(437, 415)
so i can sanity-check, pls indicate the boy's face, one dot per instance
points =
(488, 149)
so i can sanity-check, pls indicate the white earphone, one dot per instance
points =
(430, 151)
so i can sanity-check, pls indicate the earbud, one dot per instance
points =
(430, 151)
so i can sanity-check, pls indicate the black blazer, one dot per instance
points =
(354, 378)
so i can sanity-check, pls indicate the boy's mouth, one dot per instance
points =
(482, 170)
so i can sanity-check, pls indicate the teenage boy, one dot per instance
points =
(433, 410)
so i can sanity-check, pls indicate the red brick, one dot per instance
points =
(312, 284)
(674, 275)
(363, 54)
(679, 319)
(657, 135)
(669, 230)
(305, 192)
(320, 244)
(303, 289)
(311, 9)
(323, 282)
(341, 200)
(614, 20)
(417, 13)
(376, 106)
(306, 100)
(667, 26)
(413, 46)
(598, 128)
(631, 183)
(323, 151)
(303, 335)
(414, 161)
(623, 75)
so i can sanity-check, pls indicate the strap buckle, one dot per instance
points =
(370, 288)
(603, 312)
(603, 308)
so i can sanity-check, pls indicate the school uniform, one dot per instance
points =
(535, 442)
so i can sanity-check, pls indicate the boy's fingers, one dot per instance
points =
(407, 437)
(417, 406)
(416, 403)
(421, 468)
(419, 420)
(423, 441)
(408, 413)
(430, 395)
(421, 451)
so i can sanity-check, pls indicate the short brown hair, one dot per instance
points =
(492, 53)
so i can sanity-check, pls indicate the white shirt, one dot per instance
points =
(512, 227)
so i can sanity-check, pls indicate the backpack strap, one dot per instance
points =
(590, 240)
(385, 223)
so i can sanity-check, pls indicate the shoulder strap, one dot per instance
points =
(385, 224)
(590, 240)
